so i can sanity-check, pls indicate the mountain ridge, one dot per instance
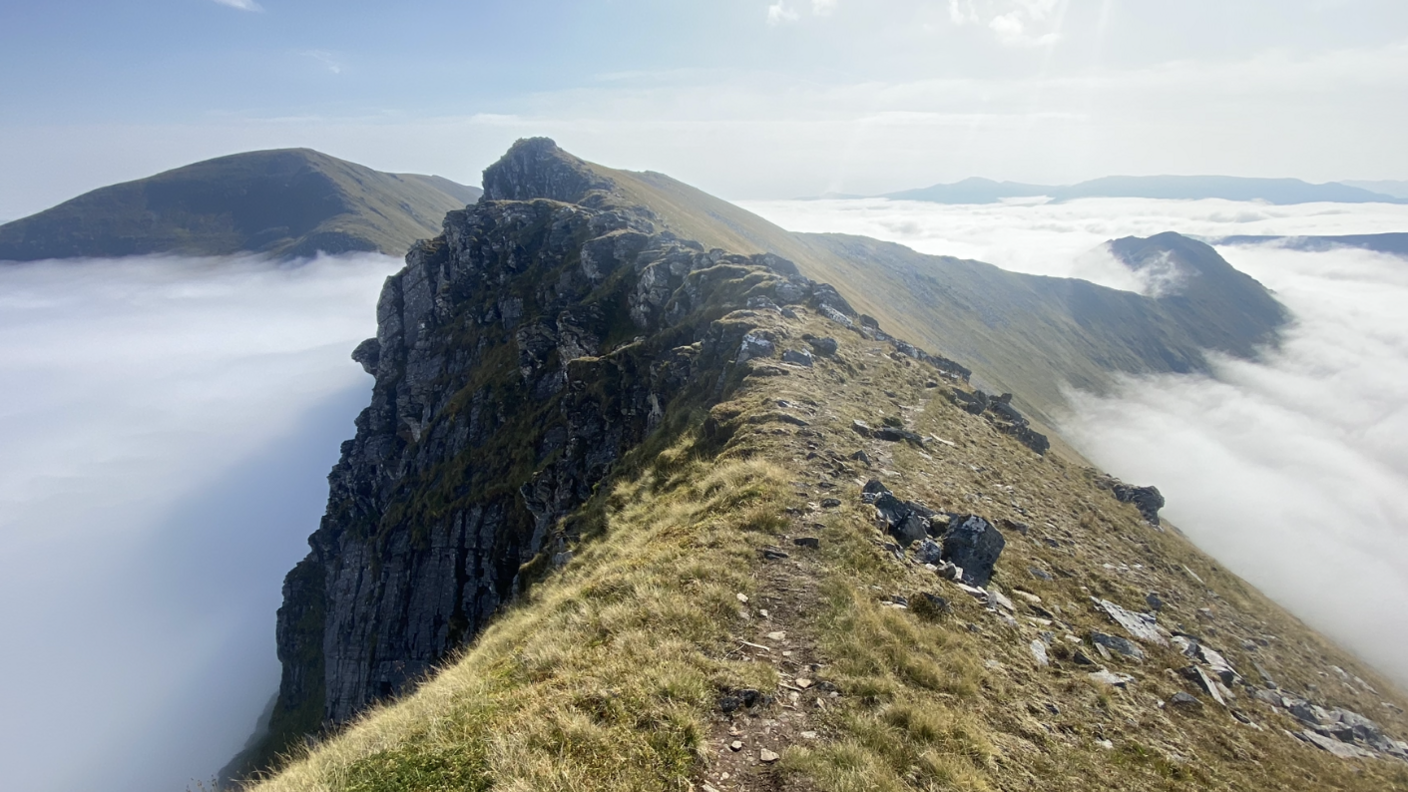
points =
(282, 203)
(630, 512)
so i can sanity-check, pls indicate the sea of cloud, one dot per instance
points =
(166, 432)
(1293, 471)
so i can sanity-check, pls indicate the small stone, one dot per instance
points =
(861, 457)
(736, 745)
(777, 636)
(1155, 602)
(767, 757)
(1039, 652)
(1124, 646)
(807, 541)
(743, 598)
(1181, 699)
(1111, 678)
(830, 503)
(803, 683)
(808, 735)
(707, 788)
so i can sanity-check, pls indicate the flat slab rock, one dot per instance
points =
(1142, 626)
(1112, 678)
(1341, 749)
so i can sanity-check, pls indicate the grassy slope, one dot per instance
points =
(606, 676)
(284, 203)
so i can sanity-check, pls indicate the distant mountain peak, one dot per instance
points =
(284, 203)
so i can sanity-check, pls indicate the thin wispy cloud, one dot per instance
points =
(824, 7)
(243, 5)
(329, 61)
(780, 12)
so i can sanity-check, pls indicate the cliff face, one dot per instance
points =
(518, 356)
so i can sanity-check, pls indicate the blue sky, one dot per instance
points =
(746, 98)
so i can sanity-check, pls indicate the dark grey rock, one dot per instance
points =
(1148, 500)
(1186, 701)
(826, 347)
(975, 545)
(830, 503)
(929, 552)
(797, 357)
(807, 541)
(1124, 646)
(368, 353)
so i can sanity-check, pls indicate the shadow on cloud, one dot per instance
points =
(163, 456)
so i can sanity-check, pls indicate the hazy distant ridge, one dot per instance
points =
(285, 203)
(1232, 188)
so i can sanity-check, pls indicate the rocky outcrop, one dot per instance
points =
(1004, 417)
(1148, 500)
(519, 356)
(966, 542)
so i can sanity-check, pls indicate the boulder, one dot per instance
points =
(797, 357)
(826, 347)
(973, 544)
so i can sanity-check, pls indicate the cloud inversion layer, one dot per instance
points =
(164, 442)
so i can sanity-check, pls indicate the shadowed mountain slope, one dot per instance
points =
(286, 203)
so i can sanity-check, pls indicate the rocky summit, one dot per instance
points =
(632, 512)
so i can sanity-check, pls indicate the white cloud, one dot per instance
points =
(1016, 23)
(160, 468)
(824, 7)
(1291, 472)
(963, 12)
(1067, 239)
(329, 61)
(243, 5)
(780, 12)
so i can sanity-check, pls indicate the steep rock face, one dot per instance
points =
(518, 357)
